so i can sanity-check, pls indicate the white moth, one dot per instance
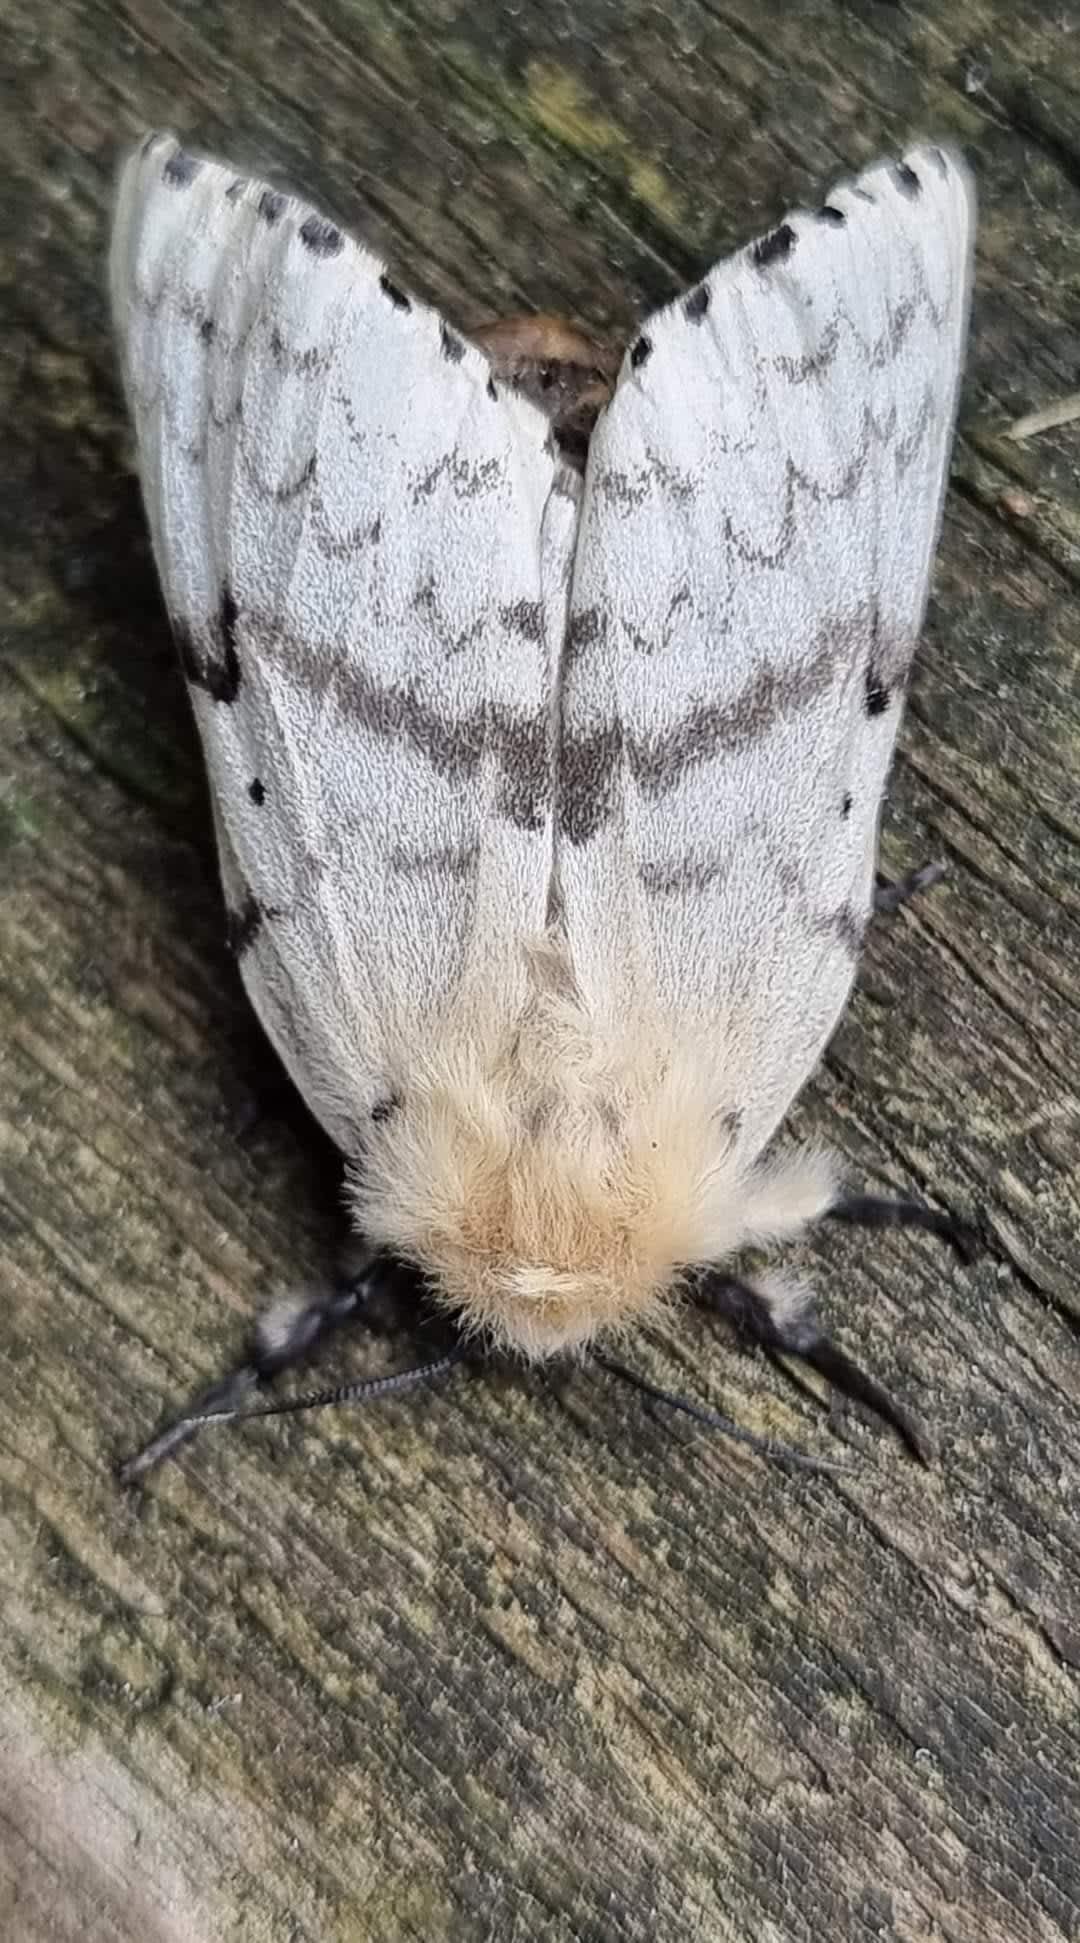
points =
(547, 805)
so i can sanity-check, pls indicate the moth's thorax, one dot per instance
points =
(553, 1173)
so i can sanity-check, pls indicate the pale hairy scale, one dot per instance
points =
(547, 806)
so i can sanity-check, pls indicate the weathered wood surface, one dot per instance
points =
(519, 1659)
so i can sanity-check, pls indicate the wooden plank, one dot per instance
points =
(518, 1658)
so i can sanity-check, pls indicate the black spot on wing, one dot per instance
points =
(236, 189)
(775, 247)
(181, 169)
(207, 330)
(320, 237)
(906, 180)
(243, 925)
(209, 656)
(385, 1109)
(397, 296)
(845, 807)
(831, 215)
(641, 352)
(453, 349)
(877, 696)
(271, 204)
(492, 388)
(696, 304)
(257, 792)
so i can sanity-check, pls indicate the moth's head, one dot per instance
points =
(555, 1190)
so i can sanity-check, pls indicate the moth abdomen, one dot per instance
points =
(554, 1177)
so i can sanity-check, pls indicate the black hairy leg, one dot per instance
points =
(783, 1329)
(889, 894)
(370, 1288)
(881, 1211)
(367, 1290)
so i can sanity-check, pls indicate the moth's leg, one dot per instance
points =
(291, 1327)
(880, 1211)
(889, 894)
(784, 1327)
(284, 1333)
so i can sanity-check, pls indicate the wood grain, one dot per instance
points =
(520, 1658)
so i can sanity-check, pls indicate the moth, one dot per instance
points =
(546, 793)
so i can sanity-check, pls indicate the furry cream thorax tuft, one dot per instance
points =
(555, 1176)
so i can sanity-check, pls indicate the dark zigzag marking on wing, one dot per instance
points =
(589, 764)
(621, 490)
(812, 364)
(341, 546)
(518, 744)
(879, 351)
(524, 617)
(312, 363)
(845, 925)
(521, 744)
(228, 350)
(455, 860)
(264, 489)
(466, 479)
(146, 401)
(425, 602)
(675, 877)
(908, 446)
(690, 875)
(188, 307)
(191, 310)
